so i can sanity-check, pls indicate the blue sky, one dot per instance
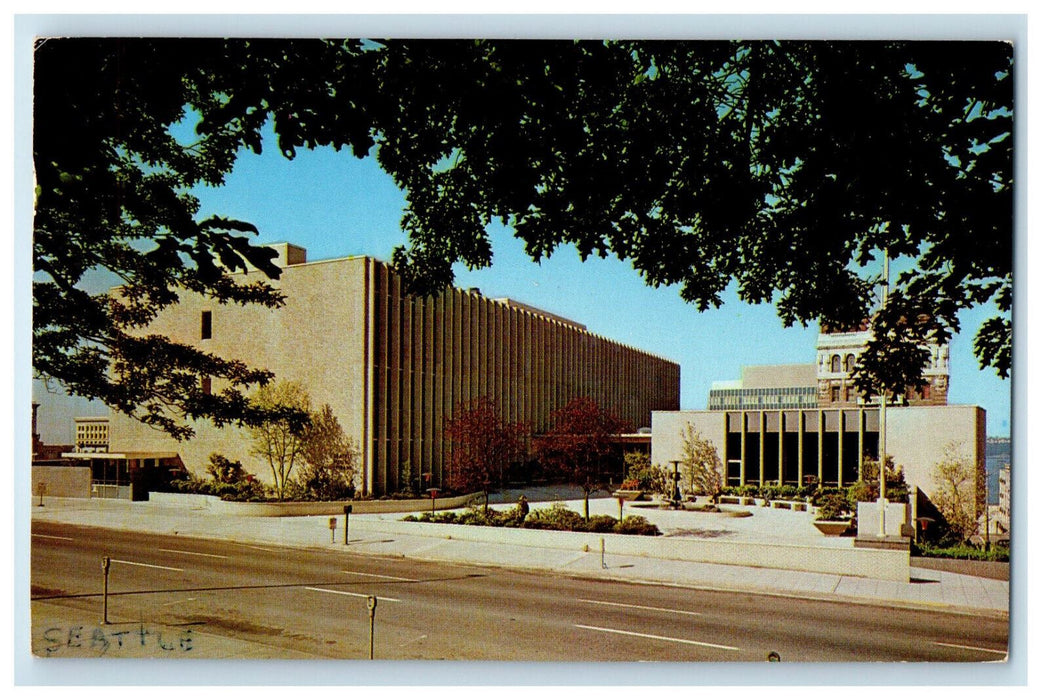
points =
(336, 205)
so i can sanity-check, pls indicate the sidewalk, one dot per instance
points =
(927, 589)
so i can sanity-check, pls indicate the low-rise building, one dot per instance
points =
(805, 423)
(826, 445)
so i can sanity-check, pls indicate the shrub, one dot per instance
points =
(246, 490)
(601, 523)
(777, 492)
(959, 551)
(190, 484)
(225, 471)
(636, 525)
(556, 517)
(868, 491)
(862, 491)
(443, 516)
(834, 506)
(822, 493)
(473, 516)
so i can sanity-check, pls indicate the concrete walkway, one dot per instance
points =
(927, 588)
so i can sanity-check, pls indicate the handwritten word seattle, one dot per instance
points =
(103, 640)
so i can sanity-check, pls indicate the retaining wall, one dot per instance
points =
(215, 504)
(63, 482)
(891, 565)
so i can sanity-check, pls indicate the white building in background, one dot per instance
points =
(92, 434)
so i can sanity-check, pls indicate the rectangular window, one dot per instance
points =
(205, 325)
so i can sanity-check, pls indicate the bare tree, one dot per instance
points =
(330, 458)
(280, 440)
(960, 492)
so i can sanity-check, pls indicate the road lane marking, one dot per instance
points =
(53, 537)
(392, 578)
(177, 602)
(150, 566)
(262, 549)
(656, 636)
(355, 595)
(194, 554)
(413, 641)
(642, 607)
(962, 646)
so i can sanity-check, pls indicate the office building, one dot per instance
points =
(394, 367)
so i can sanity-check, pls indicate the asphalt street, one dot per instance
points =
(202, 598)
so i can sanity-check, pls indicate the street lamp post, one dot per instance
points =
(881, 415)
(675, 493)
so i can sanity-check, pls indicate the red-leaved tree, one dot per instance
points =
(481, 446)
(581, 445)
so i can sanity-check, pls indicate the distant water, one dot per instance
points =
(998, 455)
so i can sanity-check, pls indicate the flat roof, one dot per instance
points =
(120, 455)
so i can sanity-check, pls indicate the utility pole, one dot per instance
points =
(881, 413)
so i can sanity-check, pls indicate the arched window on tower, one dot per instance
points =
(835, 364)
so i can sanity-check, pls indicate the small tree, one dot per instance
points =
(581, 445)
(280, 440)
(870, 470)
(867, 489)
(701, 463)
(329, 458)
(481, 445)
(959, 493)
(649, 477)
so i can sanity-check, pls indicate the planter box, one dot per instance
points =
(831, 528)
(628, 495)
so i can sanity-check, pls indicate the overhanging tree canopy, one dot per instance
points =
(780, 166)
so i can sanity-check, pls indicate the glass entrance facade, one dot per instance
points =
(824, 446)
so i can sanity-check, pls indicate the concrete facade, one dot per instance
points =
(394, 367)
(767, 446)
